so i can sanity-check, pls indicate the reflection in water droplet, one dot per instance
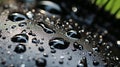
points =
(41, 62)
(17, 17)
(46, 28)
(21, 38)
(59, 43)
(20, 48)
(73, 34)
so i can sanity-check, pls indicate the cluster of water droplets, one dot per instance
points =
(48, 41)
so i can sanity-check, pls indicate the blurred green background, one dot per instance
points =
(112, 6)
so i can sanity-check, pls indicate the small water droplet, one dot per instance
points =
(13, 27)
(82, 62)
(53, 51)
(24, 31)
(22, 24)
(46, 28)
(20, 48)
(59, 43)
(41, 62)
(96, 49)
(95, 63)
(3, 61)
(61, 61)
(73, 34)
(70, 58)
(77, 46)
(35, 40)
(41, 48)
(45, 54)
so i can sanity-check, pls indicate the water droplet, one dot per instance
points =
(13, 27)
(74, 9)
(96, 49)
(15, 17)
(22, 24)
(24, 31)
(53, 51)
(41, 49)
(90, 53)
(50, 7)
(61, 61)
(45, 54)
(95, 63)
(20, 48)
(46, 28)
(70, 58)
(31, 33)
(80, 47)
(41, 62)
(9, 46)
(77, 46)
(73, 34)
(21, 38)
(59, 43)
(82, 62)
(35, 40)
(3, 38)
(3, 61)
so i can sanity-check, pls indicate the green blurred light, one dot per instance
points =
(112, 6)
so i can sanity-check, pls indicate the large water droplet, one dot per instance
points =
(50, 7)
(46, 28)
(59, 43)
(17, 17)
(73, 34)
(21, 38)
(20, 48)
(41, 62)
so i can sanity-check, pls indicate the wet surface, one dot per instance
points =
(46, 40)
